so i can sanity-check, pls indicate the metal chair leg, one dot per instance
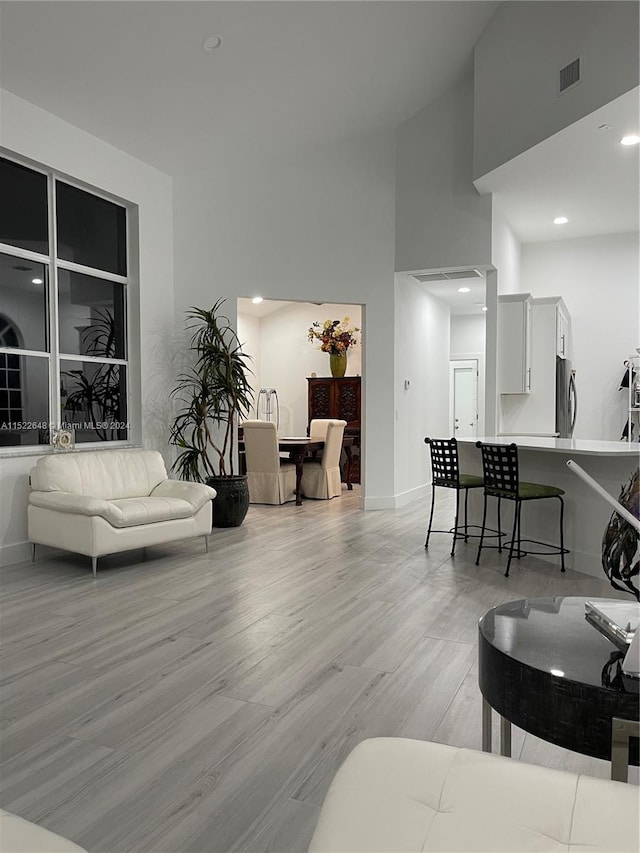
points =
(561, 533)
(455, 524)
(519, 554)
(484, 521)
(516, 517)
(466, 526)
(499, 526)
(433, 503)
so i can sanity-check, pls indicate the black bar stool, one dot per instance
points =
(502, 481)
(446, 473)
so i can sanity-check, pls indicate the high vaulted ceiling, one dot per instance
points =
(582, 173)
(287, 74)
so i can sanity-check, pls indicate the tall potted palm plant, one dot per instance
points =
(211, 396)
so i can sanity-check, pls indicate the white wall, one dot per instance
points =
(422, 357)
(467, 334)
(249, 333)
(287, 358)
(441, 220)
(505, 250)
(598, 279)
(518, 58)
(317, 228)
(31, 132)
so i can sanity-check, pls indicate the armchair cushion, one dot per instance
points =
(18, 835)
(396, 794)
(170, 499)
(104, 474)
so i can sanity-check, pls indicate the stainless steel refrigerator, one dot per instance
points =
(566, 399)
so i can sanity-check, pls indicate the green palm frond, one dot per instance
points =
(211, 397)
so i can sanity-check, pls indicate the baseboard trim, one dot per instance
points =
(20, 552)
(397, 501)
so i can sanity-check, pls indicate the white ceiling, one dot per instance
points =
(288, 74)
(296, 74)
(460, 303)
(262, 309)
(582, 173)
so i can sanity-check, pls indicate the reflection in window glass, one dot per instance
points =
(94, 400)
(91, 316)
(23, 212)
(23, 301)
(91, 230)
(24, 400)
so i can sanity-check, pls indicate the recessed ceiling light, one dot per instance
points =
(464, 290)
(257, 300)
(36, 281)
(560, 220)
(211, 43)
(484, 308)
(631, 139)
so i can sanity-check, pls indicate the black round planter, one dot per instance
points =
(231, 502)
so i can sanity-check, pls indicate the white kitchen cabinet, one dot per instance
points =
(514, 343)
(535, 413)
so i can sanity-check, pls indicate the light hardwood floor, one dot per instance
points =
(202, 702)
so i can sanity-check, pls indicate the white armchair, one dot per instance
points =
(395, 794)
(321, 477)
(108, 501)
(271, 480)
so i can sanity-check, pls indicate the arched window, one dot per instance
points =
(10, 379)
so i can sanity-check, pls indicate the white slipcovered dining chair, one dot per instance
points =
(271, 480)
(321, 478)
(318, 428)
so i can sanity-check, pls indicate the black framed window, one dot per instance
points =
(63, 309)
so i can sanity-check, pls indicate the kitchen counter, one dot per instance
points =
(575, 446)
(587, 514)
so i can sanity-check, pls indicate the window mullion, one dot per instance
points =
(94, 273)
(54, 326)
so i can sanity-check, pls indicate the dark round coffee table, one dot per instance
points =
(544, 668)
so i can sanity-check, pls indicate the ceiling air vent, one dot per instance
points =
(449, 276)
(569, 75)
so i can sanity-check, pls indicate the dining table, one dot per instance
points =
(301, 447)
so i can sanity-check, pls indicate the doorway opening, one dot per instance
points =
(275, 333)
(463, 398)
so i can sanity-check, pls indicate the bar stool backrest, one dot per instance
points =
(444, 462)
(500, 469)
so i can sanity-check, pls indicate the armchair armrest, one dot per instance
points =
(68, 502)
(196, 494)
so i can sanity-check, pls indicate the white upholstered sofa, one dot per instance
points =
(396, 794)
(103, 502)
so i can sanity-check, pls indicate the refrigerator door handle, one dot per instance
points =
(573, 398)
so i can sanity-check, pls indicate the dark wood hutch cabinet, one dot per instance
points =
(338, 398)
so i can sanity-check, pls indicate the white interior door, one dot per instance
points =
(463, 394)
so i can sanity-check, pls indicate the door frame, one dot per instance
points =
(479, 359)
